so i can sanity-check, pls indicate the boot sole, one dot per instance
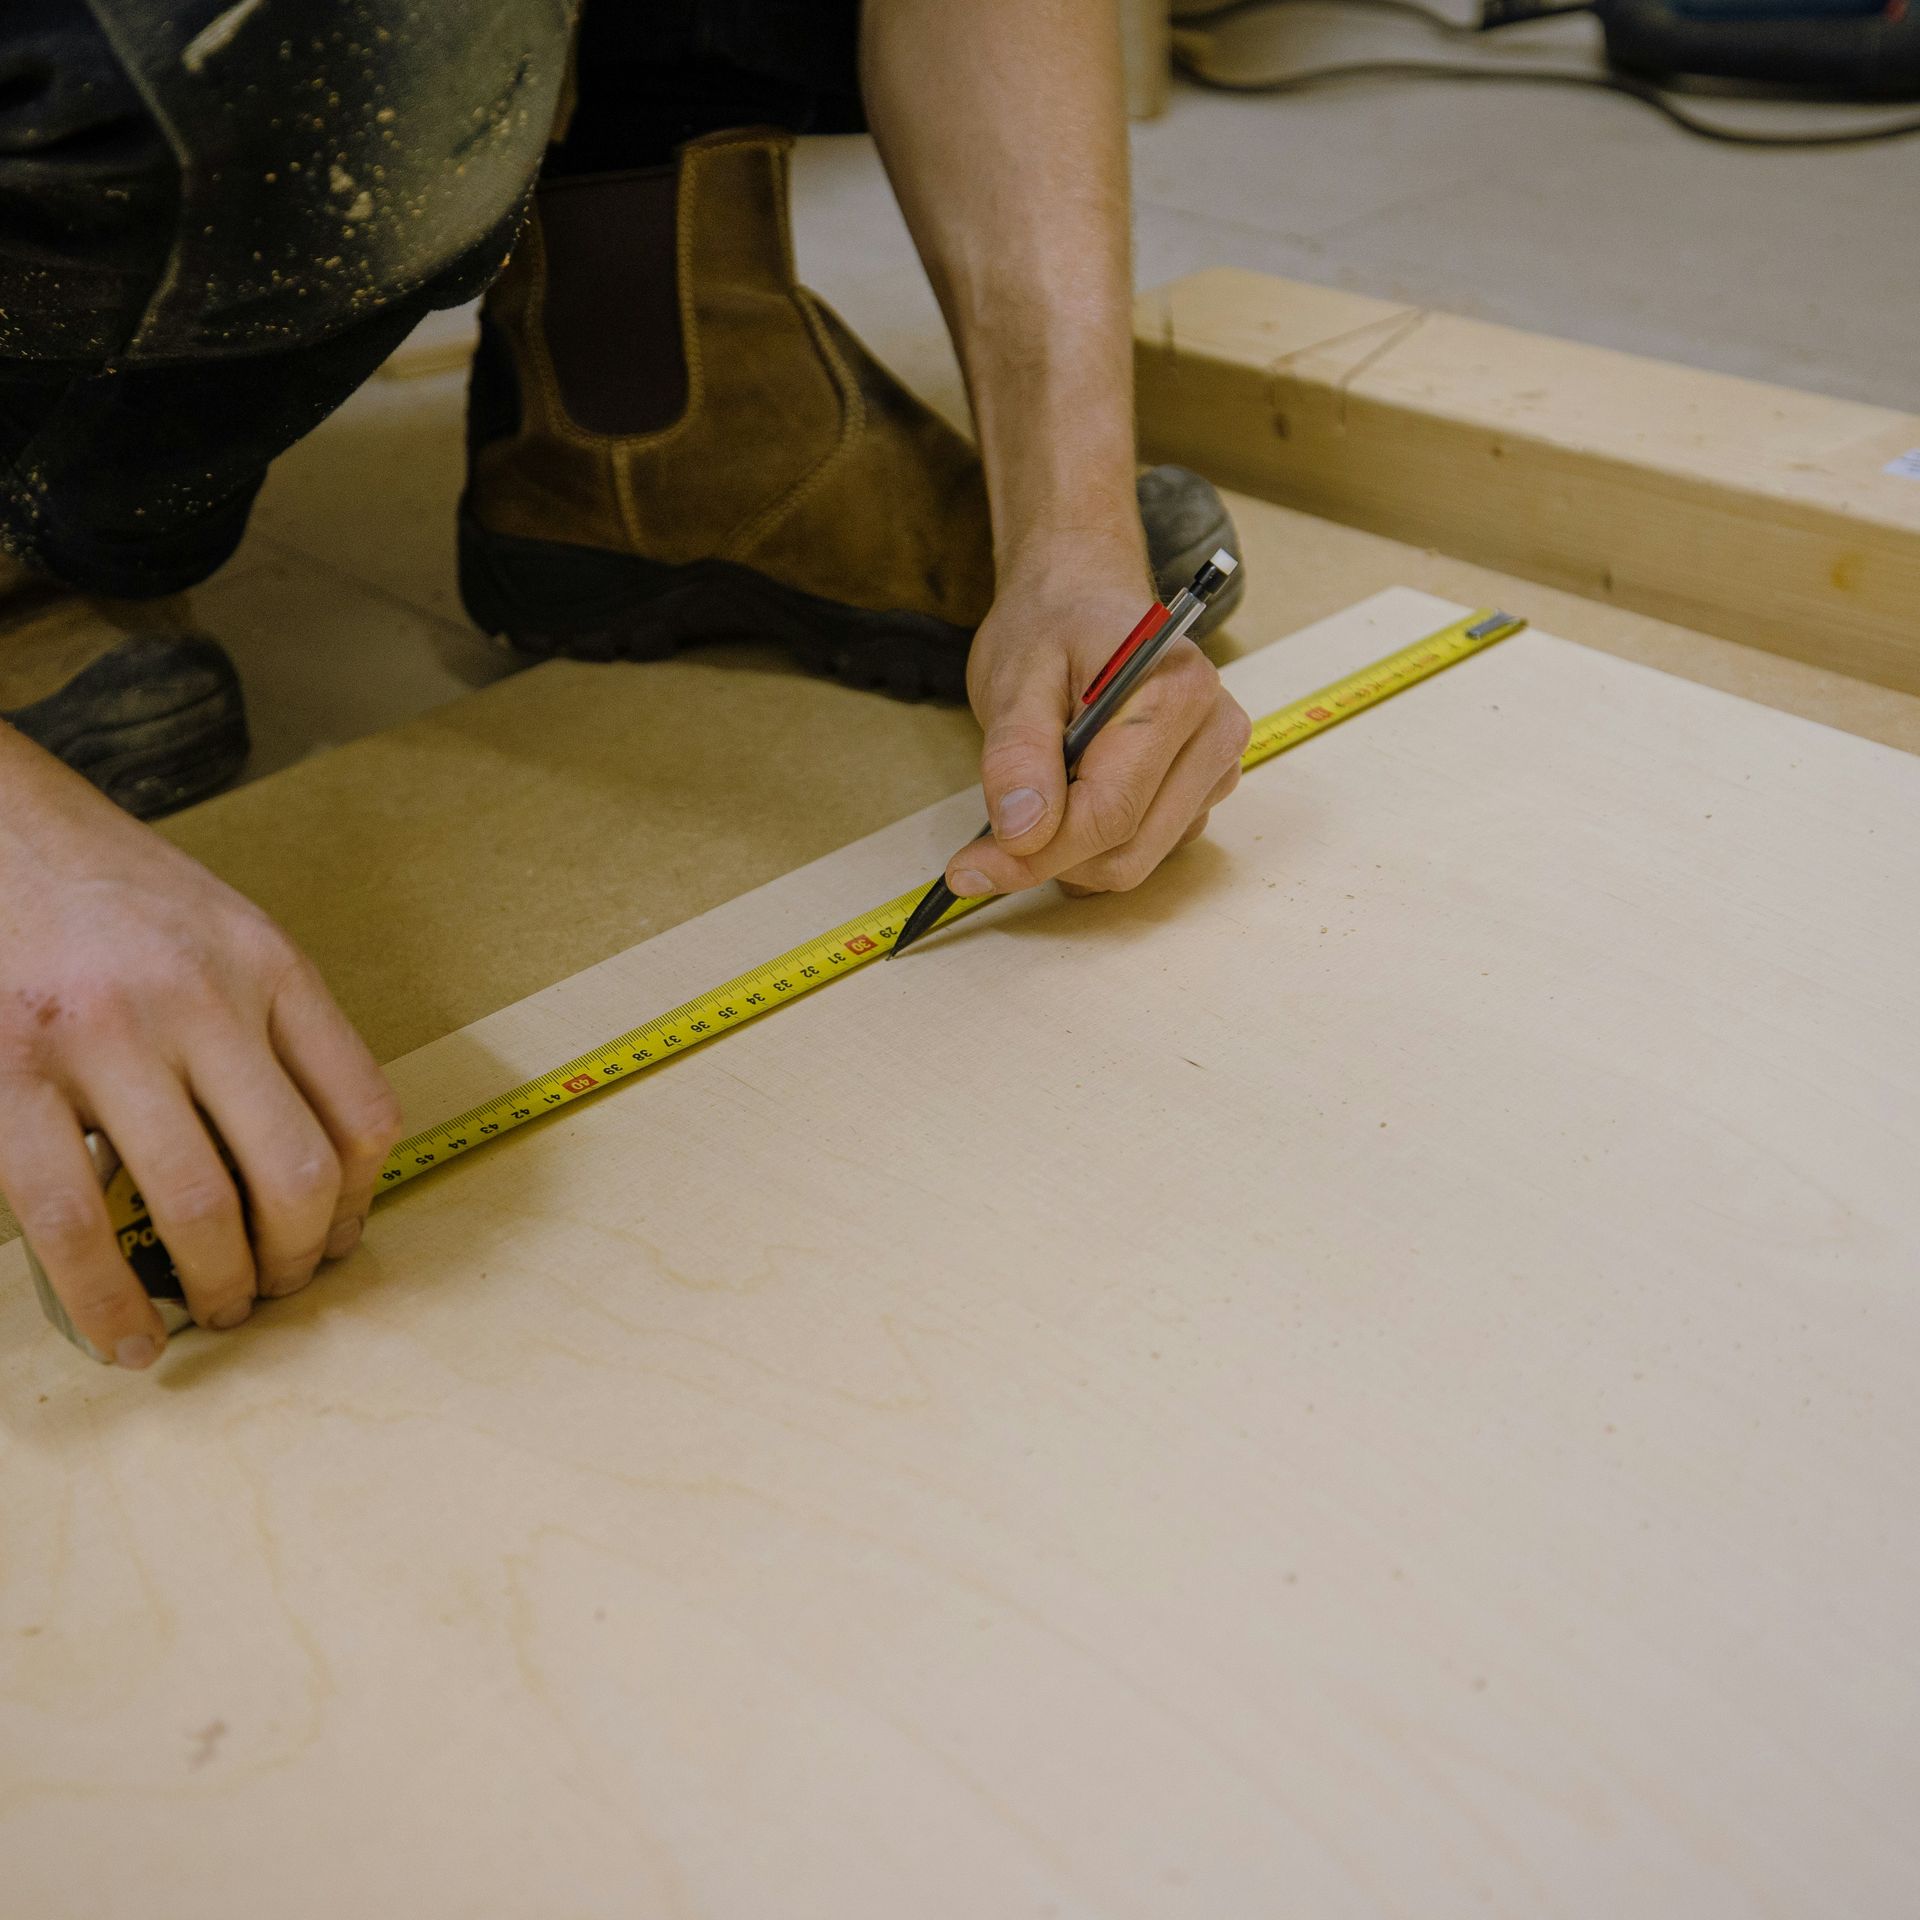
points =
(156, 724)
(583, 603)
(551, 599)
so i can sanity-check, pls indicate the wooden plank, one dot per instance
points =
(1745, 510)
(1376, 1376)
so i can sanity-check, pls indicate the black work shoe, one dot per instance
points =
(154, 719)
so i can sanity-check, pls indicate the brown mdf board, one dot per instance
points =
(1378, 1375)
(1780, 519)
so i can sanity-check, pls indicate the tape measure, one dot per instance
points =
(795, 974)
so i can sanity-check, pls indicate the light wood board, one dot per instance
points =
(1375, 1377)
(1741, 509)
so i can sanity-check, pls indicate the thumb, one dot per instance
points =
(1023, 767)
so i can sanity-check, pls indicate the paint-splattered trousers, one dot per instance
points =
(217, 217)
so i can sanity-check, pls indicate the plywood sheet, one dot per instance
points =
(1376, 1376)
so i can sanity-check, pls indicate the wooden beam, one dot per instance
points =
(1146, 38)
(1754, 512)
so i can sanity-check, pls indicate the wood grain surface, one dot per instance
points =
(1756, 512)
(1377, 1376)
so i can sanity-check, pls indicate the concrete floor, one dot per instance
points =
(1574, 215)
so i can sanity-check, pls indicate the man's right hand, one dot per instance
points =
(141, 996)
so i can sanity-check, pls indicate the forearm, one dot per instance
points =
(1002, 126)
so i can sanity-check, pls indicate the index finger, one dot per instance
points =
(56, 1194)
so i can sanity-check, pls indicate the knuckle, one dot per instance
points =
(101, 1003)
(1199, 683)
(125, 1002)
(187, 976)
(1114, 813)
(262, 962)
(198, 1200)
(310, 1176)
(59, 1223)
(1127, 869)
(265, 942)
(1023, 735)
(1010, 758)
(376, 1126)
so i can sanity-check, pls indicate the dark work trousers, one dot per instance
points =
(217, 219)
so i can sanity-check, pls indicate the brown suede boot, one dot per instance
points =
(670, 440)
(124, 692)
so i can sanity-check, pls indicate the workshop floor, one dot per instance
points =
(1571, 215)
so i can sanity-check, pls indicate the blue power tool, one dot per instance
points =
(1830, 49)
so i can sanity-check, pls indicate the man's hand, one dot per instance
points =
(141, 996)
(1145, 785)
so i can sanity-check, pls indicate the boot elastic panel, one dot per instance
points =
(155, 720)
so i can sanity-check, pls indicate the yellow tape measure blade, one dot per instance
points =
(795, 974)
(1327, 706)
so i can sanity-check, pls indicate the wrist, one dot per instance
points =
(49, 813)
(1107, 547)
(1061, 473)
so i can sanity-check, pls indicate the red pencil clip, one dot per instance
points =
(1151, 622)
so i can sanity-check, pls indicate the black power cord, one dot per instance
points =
(1642, 91)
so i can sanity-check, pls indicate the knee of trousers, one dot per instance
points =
(331, 161)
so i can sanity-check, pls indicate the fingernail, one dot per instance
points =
(135, 1350)
(966, 883)
(230, 1317)
(1020, 810)
(344, 1238)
